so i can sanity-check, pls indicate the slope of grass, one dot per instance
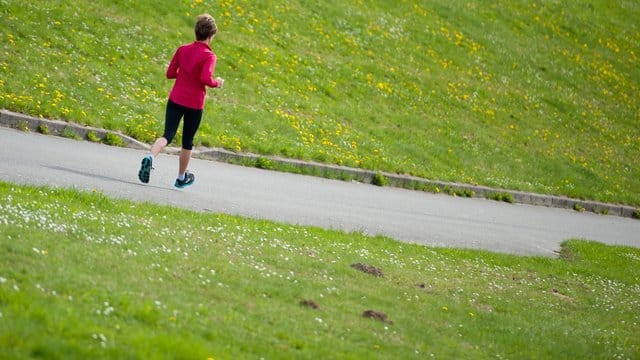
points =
(84, 276)
(530, 95)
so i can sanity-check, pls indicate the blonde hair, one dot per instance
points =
(205, 27)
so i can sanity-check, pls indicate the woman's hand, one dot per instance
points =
(220, 81)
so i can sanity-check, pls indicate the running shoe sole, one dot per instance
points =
(182, 186)
(145, 170)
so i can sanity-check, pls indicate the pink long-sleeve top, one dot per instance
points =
(192, 66)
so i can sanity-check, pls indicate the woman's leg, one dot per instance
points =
(171, 122)
(157, 146)
(172, 119)
(192, 118)
(185, 156)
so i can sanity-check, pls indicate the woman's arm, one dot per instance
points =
(206, 77)
(172, 70)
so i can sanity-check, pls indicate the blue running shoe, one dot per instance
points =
(145, 169)
(188, 180)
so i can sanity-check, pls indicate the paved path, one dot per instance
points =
(410, 216)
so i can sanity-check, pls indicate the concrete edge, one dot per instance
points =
(58, 128)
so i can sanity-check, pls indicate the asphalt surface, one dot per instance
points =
(417, 217)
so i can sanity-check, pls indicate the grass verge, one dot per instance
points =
(86, 276)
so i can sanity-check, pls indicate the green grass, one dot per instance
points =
(70, 134)
(43, 129)
(85, 276)
(538, 96)
(93, 137)
(501, 197)
(113, 139)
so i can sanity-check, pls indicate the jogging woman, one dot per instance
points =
(192, 66)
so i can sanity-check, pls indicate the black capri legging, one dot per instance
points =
(191, 124)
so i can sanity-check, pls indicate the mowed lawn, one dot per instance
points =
(533, 95)
(83, 276)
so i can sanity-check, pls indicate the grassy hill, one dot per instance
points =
(83, 276)
(533, 95)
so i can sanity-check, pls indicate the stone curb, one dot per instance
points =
(55, 127)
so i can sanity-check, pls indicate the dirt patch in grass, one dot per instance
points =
(560, 295)
(369, 269)
(377, 315)
(310, 304)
